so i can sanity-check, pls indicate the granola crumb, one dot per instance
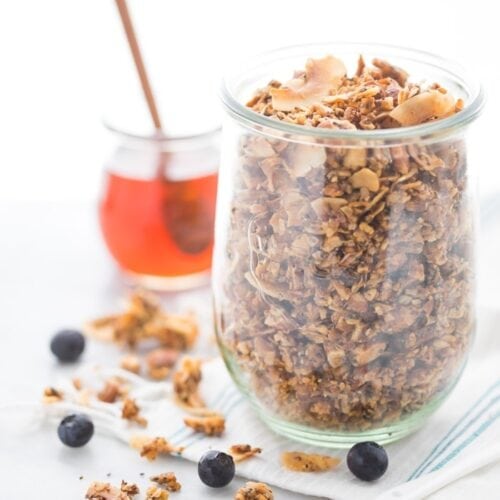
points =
(106, 491)
(160, 361)
(186, 381)
(241, 452)
(130, 489)
(110, 392)
(52, 395)
(131, 363)
(308, 462)
(213, 425)
(254, 491)
(155, 493)
(167, 480)
(77, 383)
(131, 411)
(151, 448)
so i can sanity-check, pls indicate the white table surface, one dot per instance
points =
(55, 273)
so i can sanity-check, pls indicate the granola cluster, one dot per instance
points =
(254, 491)
(347, 273)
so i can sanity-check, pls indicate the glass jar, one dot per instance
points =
(344, 308)
(158, 206)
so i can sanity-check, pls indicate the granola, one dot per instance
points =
(186, 381)
(112, 390)
(347, 273)
(308, 462)
(241, 452)
(151, 448)
(106, 491)
(155, 493)
(254, 491)
(168, 480)
(52, 395)
(160, 361)
(144, 319)
(212, 425)
(131, 363)
(130, 411)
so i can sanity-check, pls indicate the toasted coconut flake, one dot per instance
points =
(423, 107)
(321, 77)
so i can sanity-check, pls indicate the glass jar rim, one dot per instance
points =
(470, 112)
(163, 140)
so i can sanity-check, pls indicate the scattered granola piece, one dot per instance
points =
(186, 381)
(160, 361)
(131, 363)
(130, 411)
(105, 491)
(155, 493)
(241, 452)
(130, 489)
(110, 392)
(52, 395)
(144, 319)
(254, 491)
(150, 448)
(168, 480)
(77, 383)
(308, 462)
(213, 425)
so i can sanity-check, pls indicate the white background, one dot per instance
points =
(64, 65)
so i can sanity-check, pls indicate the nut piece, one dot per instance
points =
(160, 361)
(306, 462)
(155, 493)
(241, 452)
(152, 447)
(210, 426)
(52, 395)
(131, 363)
(167, 480)
(254, 491)
(130, 411)
(365, 178)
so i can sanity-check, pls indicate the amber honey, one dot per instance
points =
(159, 227)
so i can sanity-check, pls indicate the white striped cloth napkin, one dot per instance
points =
(463, 436)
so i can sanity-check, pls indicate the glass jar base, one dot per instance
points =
(169, 283)
(338, 439)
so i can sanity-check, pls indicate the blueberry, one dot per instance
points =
(67, 345)
(216, 469)
(75, 430)
(367, 461)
